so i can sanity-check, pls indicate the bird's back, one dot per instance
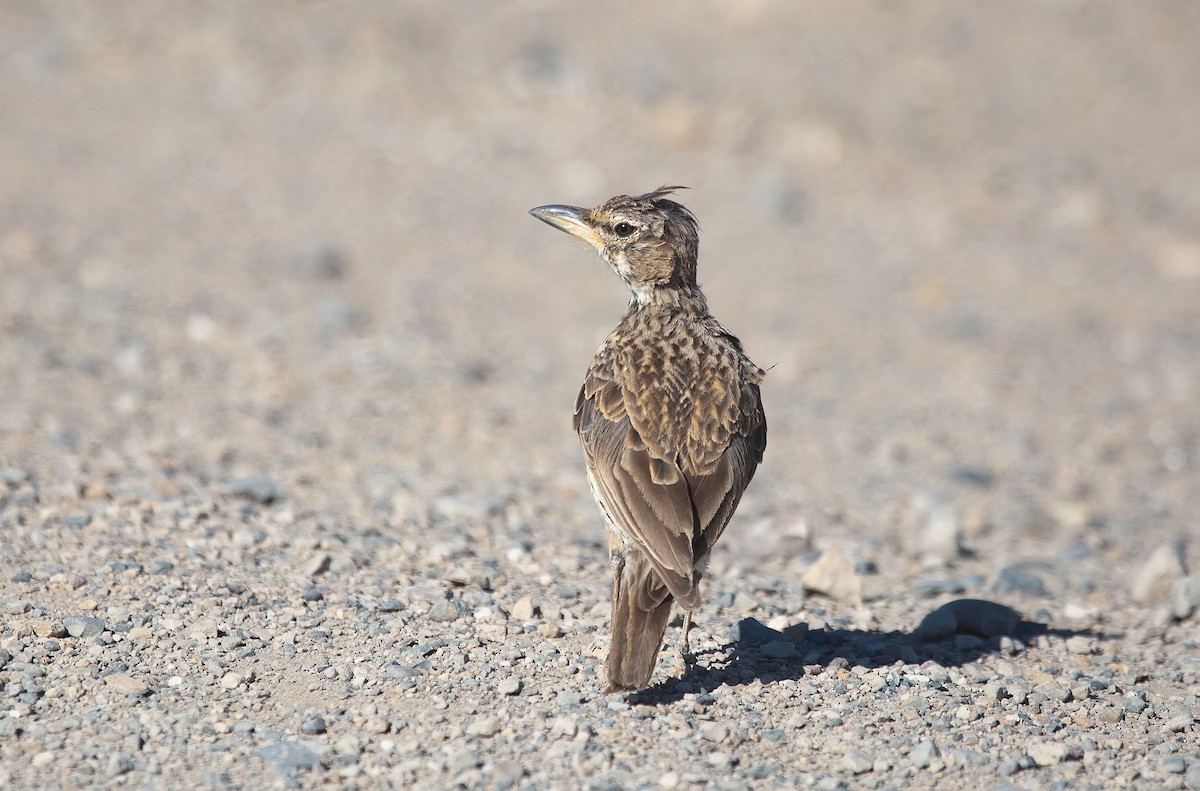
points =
(683, 381)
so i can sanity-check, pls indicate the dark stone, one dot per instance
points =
(752, 632)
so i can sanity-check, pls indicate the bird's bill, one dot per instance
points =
(571, 219)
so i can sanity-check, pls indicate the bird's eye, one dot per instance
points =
(624, 229)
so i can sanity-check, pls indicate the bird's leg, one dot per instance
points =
(685, 648)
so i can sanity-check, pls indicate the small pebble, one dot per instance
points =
(1155, 579)
(857, 761)
(258, 488)
(83, 625)
(834, 576)
(523, 610)
(1047, 753)
(1018, 579)
(488, 726)
(127, 685)
(923, 754)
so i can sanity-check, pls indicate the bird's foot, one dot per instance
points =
(685, 645)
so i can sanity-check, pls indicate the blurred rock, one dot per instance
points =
(127, 685)
(857, 761)
(1016, 578)
(466, 507)
(977, 477)
(318, 564)
(752, 632)
(1156, 578)
(932, 528)
(929, 588)
(257, 488)
(83, 625)
(1187, 597)
(320, 262)
(286, 758)
(923, 754)
(972, 616)
(834, 576)
(448, 610)
(523, 610)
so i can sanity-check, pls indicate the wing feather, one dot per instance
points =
(672, 515)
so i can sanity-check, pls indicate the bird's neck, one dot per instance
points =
(677, 299)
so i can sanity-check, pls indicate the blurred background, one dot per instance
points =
(290, 239)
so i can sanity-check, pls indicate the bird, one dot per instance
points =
(671, 421)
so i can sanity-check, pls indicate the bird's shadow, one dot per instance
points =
(748, 658)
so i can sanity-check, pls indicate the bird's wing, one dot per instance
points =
(645, 498)
(673, 515)
(715, 495)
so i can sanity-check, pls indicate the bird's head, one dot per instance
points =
(649, 240)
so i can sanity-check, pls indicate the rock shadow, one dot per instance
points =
(758, 652)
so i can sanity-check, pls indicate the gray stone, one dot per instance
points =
(1048, 753)
(1017, 579)
(834, 576)
(752, 632)
(1135, 704)
(936, 587)
(1173, 765)
(257, 488)
(523, 610)
(1192, 778)
(973, 616)
(463, 760)
(488, 726)
(506, 774)
(83, 625)
(288, 757)
(1009, 767)
(447, 610)
(466, 508)
(567, 726)
(348, 745)
(509, 686)
(935, 524)
(1179, 723)
(118, 765)
(313, 725)
(1186, 599)
(1155, 580)
(857, 761)
(923, 754)
(317, 564)
(714, 731)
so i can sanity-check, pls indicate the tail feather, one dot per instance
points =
(641, 607)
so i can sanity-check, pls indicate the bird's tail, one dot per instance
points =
(641, 607)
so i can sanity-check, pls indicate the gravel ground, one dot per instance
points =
(288, 491)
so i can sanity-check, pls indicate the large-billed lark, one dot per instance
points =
(670, 419)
